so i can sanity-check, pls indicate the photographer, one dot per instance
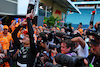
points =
(26, 46)
(94, 58)
(81, 47)
(66, 48)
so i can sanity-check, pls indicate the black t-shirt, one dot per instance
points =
(27, 55)
(94, 60)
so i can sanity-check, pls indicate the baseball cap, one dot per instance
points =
(40, 27)
(94, 42)
(5, 27)
(46, 53)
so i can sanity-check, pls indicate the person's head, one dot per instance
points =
(80, 25)
(5, 28)
(53, 29)
(95, 47)
(45, 57)
(19, 20)
(67, 46)
(62, 30)
(26, 40)
(40, 28)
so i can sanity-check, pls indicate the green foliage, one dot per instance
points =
(50, 21)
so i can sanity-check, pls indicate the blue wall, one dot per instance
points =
(84, 17)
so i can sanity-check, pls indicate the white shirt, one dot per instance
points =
(1, 26)
(82, 52)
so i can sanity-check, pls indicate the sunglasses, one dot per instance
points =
(5, 29)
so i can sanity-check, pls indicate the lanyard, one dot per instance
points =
(92, 60)
(91, 64)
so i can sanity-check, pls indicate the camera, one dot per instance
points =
(39, 63)
(71, 35)
(95, 33)
(50, 35)
(54, 46)
(49, 64)
(69, 61)
(2, 60)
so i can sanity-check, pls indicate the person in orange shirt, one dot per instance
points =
(81, 31)
(4, 46)
(6, 34)
(17, 24)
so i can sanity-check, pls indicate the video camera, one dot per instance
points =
(95, 33)
(50, 35)
(69, 61)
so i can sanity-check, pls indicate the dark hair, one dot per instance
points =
(69, 43)
(80, 23)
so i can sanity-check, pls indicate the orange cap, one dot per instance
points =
(45, 25)
(40, 27)
(5, 27)
(19, 18)
(58, 28)
(33, 25)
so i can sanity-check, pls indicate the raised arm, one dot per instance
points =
(80, 40)
(15, 38)
(31, 33)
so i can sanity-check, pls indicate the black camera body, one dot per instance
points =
(6, 59)
(49, 64)
(51, 35)
(69, 61)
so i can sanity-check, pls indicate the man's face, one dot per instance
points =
(53, 29)
(63, 30)
(26, 39)
(5, 30)
(95, 49)
(64, 49)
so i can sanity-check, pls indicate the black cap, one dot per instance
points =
(94, 42)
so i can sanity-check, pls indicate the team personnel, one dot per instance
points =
(4, 46)
(6, 34)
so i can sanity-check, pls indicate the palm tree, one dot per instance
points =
(51, 21)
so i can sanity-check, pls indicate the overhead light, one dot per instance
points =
(41, 7)
(82, 2)
(12, 1)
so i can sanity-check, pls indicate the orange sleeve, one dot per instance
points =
(18, 34)
(1, 34)
(13, 28)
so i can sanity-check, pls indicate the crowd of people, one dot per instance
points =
(24, 44)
